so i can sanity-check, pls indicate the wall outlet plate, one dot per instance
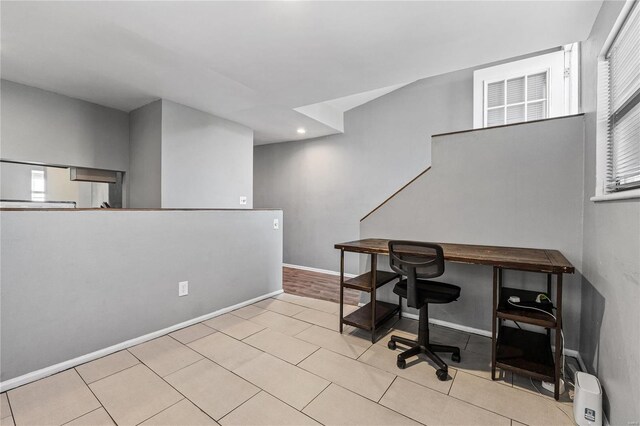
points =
(183, 288)
(243, 201)
(276, 224)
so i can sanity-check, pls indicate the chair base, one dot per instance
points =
(415, 348)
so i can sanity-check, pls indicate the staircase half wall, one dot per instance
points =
(519, 185)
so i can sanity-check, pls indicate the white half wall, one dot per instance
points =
(79, 281)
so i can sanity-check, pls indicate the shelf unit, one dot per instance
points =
(372, 315)
(361, 318)
(527, 352)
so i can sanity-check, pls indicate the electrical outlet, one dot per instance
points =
(243, 201)
(276, 224)
(183, 288)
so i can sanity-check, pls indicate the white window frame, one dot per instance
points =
(561, 86)
(602, 126)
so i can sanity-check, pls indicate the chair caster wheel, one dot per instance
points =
(391, 345)
(401, 364)
(455, 357)
(442, 374)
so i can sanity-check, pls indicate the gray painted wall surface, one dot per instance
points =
(610, 322)
(516, 186)
(45, 127)
(97, 305)
(145, 177)
(206, 161)
(326, 185)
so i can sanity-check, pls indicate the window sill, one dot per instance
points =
(615, 196)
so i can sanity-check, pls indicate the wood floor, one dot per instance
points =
(317, 286)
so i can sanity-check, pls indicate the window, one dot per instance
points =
(619, 106)
(518, 99)
(37, 185)
(530, 89)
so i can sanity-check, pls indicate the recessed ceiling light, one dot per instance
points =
(301, 130)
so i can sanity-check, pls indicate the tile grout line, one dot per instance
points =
(10, 409)
(162, 411)
(302, 360)
(385, 391)
(260, 388)
(478, 406)
(111, 374)
(381, 405)
(270, 394)
(183, 395)
(96, 397)
(293, 303)
(276, 331)
(314, 398)
(89, 412)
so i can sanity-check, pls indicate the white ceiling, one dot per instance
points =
(254, 62)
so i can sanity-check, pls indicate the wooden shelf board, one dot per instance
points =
(521, 314)
(363, 282)
(362, 317)
(525, 352)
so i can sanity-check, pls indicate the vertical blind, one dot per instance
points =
(516, 99)
(621, 97)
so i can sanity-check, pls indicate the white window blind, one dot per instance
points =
(518, 99)
(620, 105)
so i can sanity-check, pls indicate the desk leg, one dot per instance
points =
(559, 348)
(341, 286)
(549, 277)
(493, 323)
(374, 268)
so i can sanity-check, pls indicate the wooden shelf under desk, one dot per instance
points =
(363, 282)
(362, 317)
(524, 314)
(526, 353)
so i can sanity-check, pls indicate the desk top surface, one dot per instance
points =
(527, 259)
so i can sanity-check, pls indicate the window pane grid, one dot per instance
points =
(518, 99)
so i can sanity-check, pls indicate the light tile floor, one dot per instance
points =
(282, 362)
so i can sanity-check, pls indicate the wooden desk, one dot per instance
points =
(523, 352)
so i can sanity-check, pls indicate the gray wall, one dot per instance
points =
(98, 305)
(610, 322)
(326, 185)
(45, 127)
(185, 158)
(206, 161)
(516, 186)
(144, 177)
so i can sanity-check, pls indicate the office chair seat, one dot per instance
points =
(430, 291)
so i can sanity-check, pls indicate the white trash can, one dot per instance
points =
(587, 402)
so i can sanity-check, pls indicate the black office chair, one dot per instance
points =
(417, 261)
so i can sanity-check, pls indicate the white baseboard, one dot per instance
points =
(322, 271)
(568, 352)
(65, 365)
(451, 325)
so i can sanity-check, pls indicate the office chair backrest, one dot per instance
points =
(415, 260)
